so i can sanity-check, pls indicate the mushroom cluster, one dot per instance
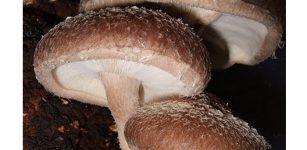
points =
(149, 69)
(235, 31)
(122, 59)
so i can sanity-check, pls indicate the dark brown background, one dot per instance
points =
(256, 94)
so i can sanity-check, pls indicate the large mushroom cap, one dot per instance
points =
(147, 45)
(202, 122)
(235, 31)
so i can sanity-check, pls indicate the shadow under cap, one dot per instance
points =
(268, 14)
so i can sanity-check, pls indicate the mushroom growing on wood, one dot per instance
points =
(235, 31)
(201, 122)
(121, 58)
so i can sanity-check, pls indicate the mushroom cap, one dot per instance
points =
(196, 123)
(235, 31)
(147, 45)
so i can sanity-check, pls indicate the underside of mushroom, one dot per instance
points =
(234, 31)
(124, 95)
(122, 58)
(126, 58)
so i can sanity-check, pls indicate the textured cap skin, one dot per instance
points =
(133, 34)
(202, 122)
(268, 12)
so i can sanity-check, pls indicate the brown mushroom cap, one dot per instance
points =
(147, 45)
(195, 123)
(235, 31)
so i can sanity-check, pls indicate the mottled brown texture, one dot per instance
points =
(128, 34)
(276, 7)
(271, 13)
(195, 123)
(264, 110)
(86, 5)
(50, 122)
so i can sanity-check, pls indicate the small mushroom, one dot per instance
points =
(235, 31)
(201, 122)
(121, 59)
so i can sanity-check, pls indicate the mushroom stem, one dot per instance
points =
(123, 95)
